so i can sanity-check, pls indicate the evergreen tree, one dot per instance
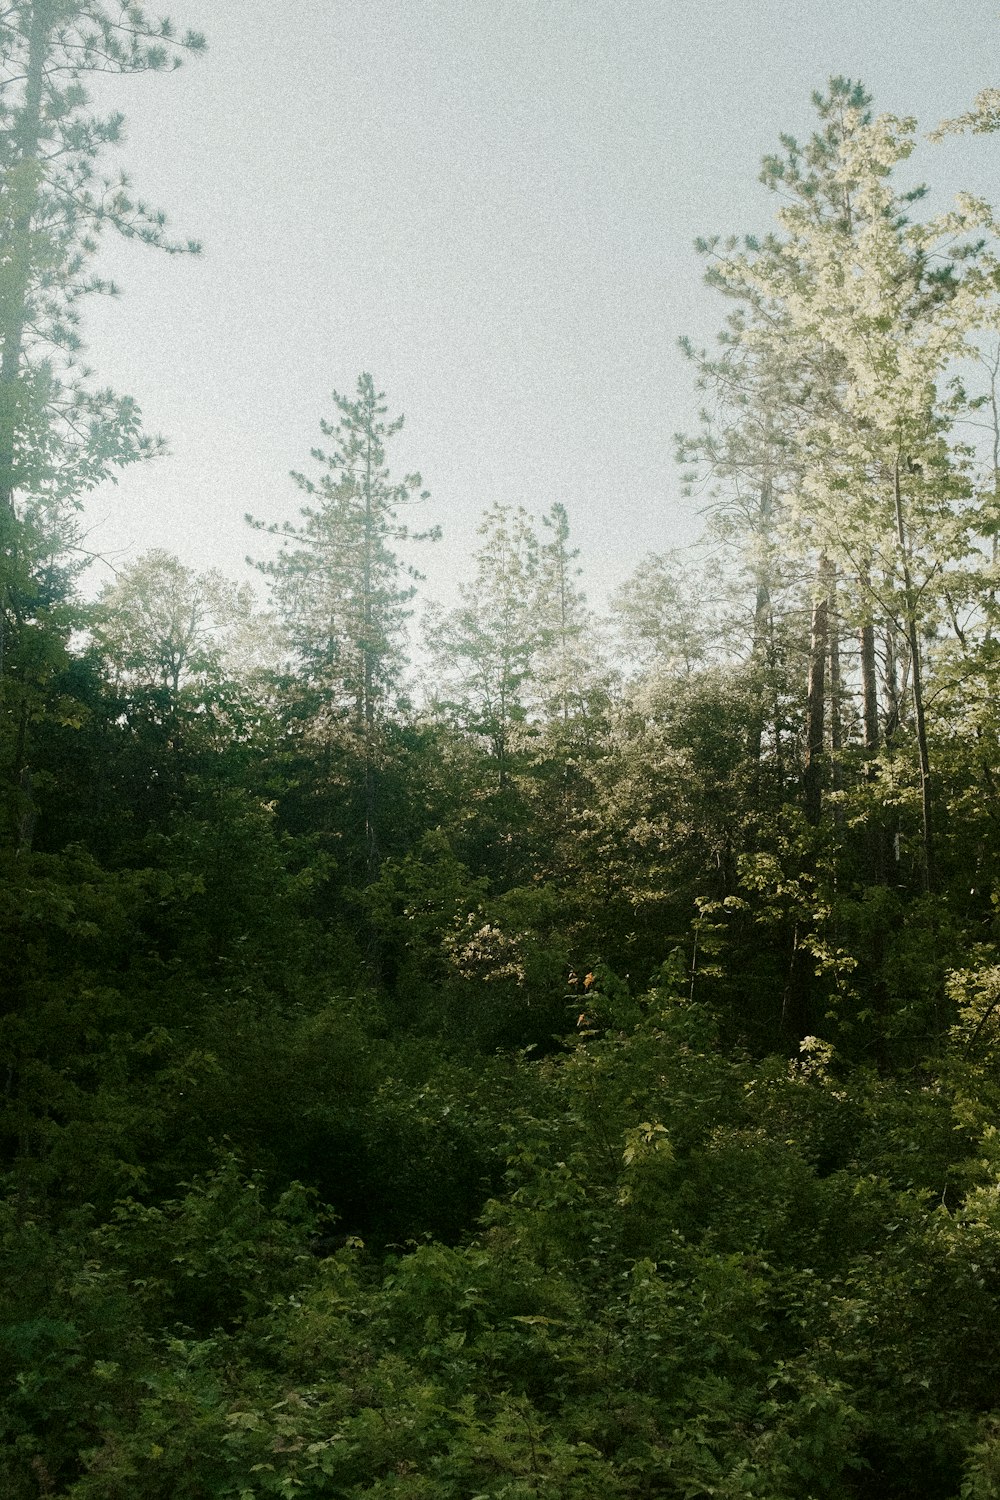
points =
(338, 584)
(59, 435)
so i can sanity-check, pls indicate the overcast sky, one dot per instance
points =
(490, 205)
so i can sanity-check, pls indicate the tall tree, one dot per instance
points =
(485, 653)
(568, 674)
(874, 310)
(59, 435)
(339, 588)
(744, 457)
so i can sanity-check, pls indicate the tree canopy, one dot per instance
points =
(514, 1052)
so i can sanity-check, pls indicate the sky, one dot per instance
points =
(491, 206)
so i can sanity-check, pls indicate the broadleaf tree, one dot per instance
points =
(161, 625)
(568, 675)
(880, 308)
(485, 653)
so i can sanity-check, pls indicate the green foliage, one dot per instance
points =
(337, 583)
(160, 624)
(525, 1098)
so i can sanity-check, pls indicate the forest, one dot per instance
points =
(504, 1049)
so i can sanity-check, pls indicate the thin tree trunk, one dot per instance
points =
(836, 681)
(816, 698)
(993, 366)
(760, 652)
(869, 674)
(875, 834)
(763, 651)
(563, 634)
(891, 679)
(836, 684)
(917, 685)
(368, 678)
(779, 751)
(795, 997)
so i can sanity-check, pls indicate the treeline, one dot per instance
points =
(553, 1057)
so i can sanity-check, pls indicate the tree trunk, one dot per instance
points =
(763, 622)
(368, 676)
(892, 691)
(816, 698)
(795, 997)
(763, 626)
(869, 676)
(836, 683)
(913, 639)
(875, 832)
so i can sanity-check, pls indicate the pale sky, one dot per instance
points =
(490, 205)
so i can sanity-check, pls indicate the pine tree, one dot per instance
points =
(59, 434)
(338, 586)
